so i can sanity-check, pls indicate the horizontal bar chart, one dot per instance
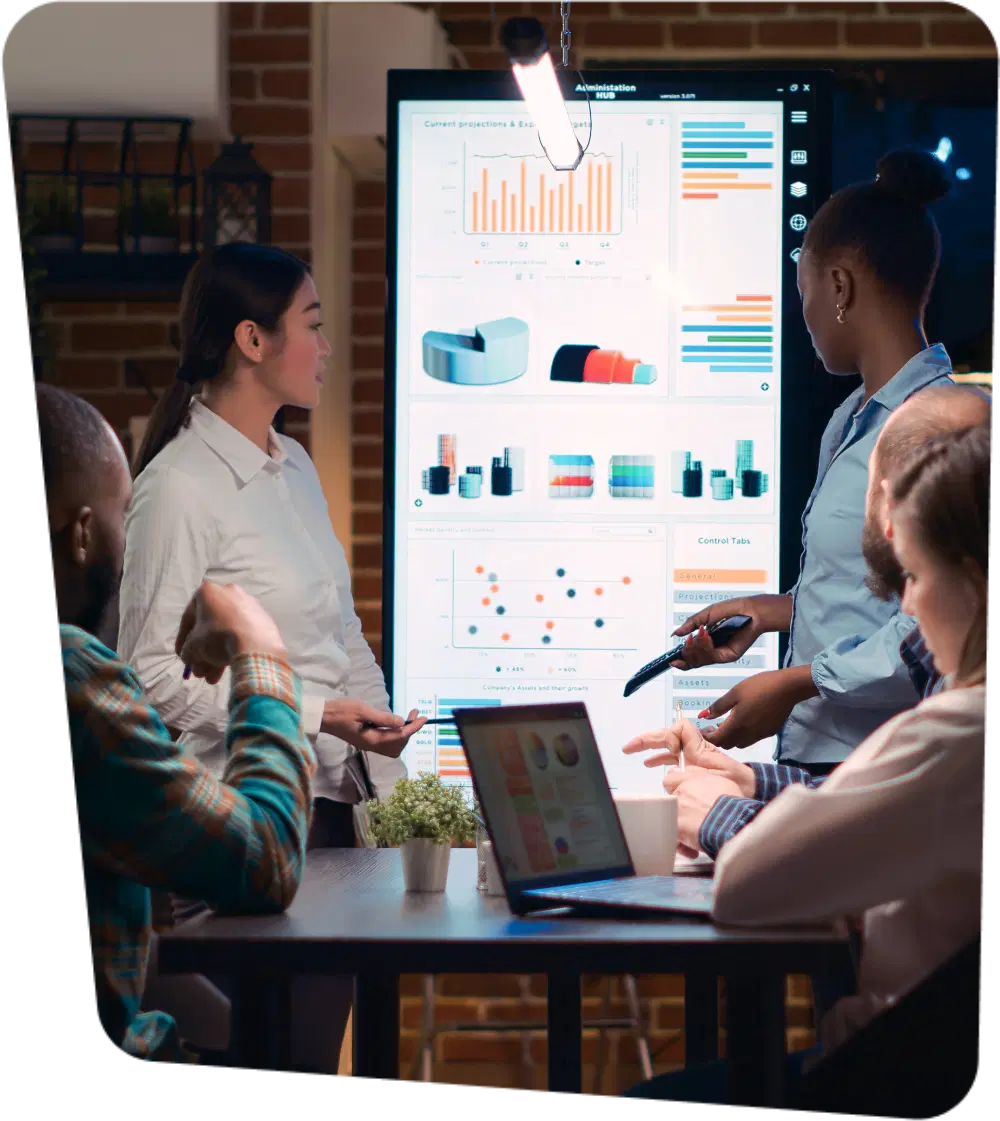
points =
(720, 157)
(741, 340)
(450, 755)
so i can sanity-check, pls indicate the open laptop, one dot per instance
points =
(548, 807)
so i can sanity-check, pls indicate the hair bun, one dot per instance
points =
(913, 176)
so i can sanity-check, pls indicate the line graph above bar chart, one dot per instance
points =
(522, 194)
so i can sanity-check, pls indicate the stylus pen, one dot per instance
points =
(369, 724)
(680, 717)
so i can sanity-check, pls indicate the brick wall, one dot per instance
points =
(114, 353)
(518, 1059)
(613, 30)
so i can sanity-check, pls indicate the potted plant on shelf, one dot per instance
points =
(50, 214)
(423, 817)
(155, 218)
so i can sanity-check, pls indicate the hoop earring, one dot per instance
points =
(840, 313)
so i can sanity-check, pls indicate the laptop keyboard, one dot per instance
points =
(638, 889)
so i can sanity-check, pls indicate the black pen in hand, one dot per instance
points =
(369, 724)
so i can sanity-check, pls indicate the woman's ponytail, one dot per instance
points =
(167, 419)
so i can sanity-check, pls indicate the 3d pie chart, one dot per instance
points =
(496, 352)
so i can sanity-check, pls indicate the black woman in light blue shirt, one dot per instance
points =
(868, 264)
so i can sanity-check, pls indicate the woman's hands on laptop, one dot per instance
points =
(667, 745)
(368, 729)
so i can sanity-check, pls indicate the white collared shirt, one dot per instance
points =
(212, 505)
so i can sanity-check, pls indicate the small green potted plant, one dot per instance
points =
(424, 818)
(157, 221)
(50, 214)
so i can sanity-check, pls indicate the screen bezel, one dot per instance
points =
(517, 890)
(801, 427)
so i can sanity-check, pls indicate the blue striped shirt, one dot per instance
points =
(730, 814)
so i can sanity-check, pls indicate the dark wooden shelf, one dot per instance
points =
(114, 276)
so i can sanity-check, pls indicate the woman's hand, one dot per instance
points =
(368, 729)
(758, 706)
(767, 613)
(668, 744)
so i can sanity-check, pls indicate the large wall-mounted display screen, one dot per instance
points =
(592, 388)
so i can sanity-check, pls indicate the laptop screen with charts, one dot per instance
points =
(545, 796)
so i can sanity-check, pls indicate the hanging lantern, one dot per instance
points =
(237, 197)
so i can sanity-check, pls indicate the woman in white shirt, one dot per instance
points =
(893, 839)
(220, 496)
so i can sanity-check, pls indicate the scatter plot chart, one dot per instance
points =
(532, 602)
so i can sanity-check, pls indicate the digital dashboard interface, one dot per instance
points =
(588, 425)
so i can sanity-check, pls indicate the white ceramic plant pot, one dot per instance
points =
(425, 864)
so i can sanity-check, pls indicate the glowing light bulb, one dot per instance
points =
(540, 90)
(527, 47)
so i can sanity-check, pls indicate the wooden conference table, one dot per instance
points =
(352, 916)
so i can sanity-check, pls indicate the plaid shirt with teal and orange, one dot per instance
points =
(151, 816)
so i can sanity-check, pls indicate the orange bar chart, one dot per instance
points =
(708, 184)
(743, 309)
(504, 192)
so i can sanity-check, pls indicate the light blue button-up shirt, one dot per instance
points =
(849, 638)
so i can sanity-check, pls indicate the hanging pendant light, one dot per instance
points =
(527, 47)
